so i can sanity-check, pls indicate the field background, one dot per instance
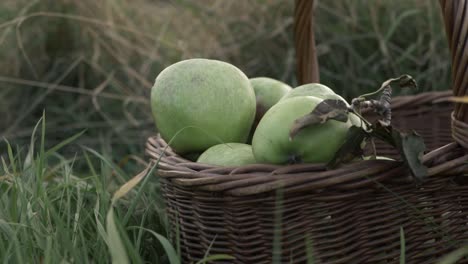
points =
(89, 65)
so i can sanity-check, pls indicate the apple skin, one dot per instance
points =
(377, 158)
(313, 89)
(314, 144)
(228, 154)
(203, 103)
(320, 91)
(268, 92)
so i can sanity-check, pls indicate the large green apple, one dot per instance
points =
(228, 154)
(314, 144)
(199, 103)
(268, 92)
(320, 91)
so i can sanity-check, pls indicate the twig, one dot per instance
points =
(383, 105)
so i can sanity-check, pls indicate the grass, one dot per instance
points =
(90, 66)
(48, 212)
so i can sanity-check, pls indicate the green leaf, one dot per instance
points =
(324, 111)
(351, 148)
(411, 147)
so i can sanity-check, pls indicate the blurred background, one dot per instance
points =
(91, 64)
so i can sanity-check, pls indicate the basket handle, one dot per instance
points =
(455, 14)
(306, 55)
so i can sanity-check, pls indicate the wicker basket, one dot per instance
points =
(352, 214)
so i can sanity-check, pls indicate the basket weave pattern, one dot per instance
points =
(352, 214)
(344, 213)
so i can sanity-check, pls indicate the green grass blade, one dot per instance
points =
(100, 228)
(454, 256)
(209, 249)
(179, 251)
(41, 150)
(48, 251)
(168, 248)
(30, 156)
(115, 244)
(402, 247)
(140, 232)
(277, 232)
(309, 250)
(215, 258)
(118, 170)
(146, 178)
(64, 143)
(11, 157)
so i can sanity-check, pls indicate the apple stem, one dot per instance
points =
(358, 114)
(404, 81)
(382, 106)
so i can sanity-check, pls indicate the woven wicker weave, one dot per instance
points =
(352, 214)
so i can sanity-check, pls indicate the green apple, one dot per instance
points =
(313, 89)
(320, 91)
(199, 103)
(268, 92)
(228, 154)
(377, 158)
(313, 144)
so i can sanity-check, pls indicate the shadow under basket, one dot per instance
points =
(353, 214)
